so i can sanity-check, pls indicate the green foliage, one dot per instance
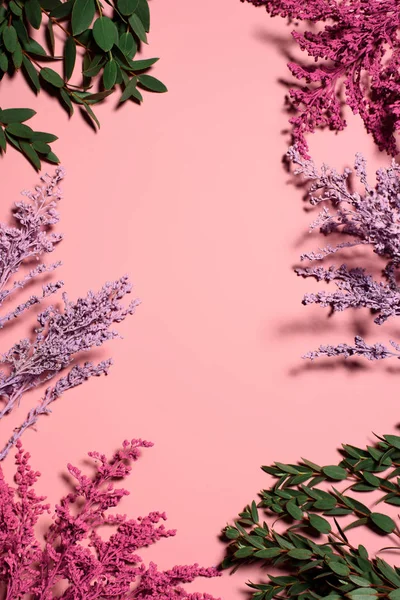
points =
(34, 145)
(108, 37)
(312, 550)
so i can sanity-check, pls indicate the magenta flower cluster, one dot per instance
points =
(370, 218)
(355, 50)
(89, 551)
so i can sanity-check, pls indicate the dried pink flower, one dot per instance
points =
(355, 49)
(74, 555)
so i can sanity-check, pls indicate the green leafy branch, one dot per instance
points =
(108, 37)
(334, 568)
(35, 145)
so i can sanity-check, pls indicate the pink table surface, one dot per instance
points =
(187, 194)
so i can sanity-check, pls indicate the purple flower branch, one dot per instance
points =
(370, 218)
(62, 335)
(76, 376)
(75, 555)
(31, 238)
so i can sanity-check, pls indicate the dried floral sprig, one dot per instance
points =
(81, 326)
(370, 218)
(62, 335)
(355, 52)
(312, 549)
(105, 38)
(29, 240)
(74, 554)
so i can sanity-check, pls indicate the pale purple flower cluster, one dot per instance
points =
(355, 50)
(369, 218)
(28, 241)
(75, 556)
(62, 335)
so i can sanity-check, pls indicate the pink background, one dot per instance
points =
(187, 194)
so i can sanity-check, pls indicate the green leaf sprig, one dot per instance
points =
(34, 145)
(317, 558)
(108, 36)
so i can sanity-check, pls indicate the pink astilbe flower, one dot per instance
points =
(74, 555)
(371, 218)
(356, 49)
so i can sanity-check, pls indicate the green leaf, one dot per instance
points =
(294, 511)
(244, 552)
(127, 44)
(127, 7)
(3, 141)
(82, 15)
(383, 522)
(339, 568)
(254, 512)
(143, 12)
(312, 465)
(31, 154)
(15, 9)
(360, 581)
(140, 65)
(17, 56)
(362, 594)
(300, 554)
(232, 533)
(12, 140)
(33, 13)
(33, 47)
(151, 83)
(137, 27)
(393, 440)
(69, 57)
(52, 77)
(110, 74)
(129, 90)
(16, 115)
(105, 33)
(3, 62)
(50, 34)
(335, 472)
(395, 595)
(94, 66)
(42, 136)
(21, 30)
(97, 97)
(51, 157)
(63, 10)
(388, 572)
(10, 38)
(41, 147)
(319, 523)
(268, 553)
(19, 130)
(67, 101)
(92, 115)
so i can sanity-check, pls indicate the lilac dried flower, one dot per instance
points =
(371, 218)
(355, 47)
(62, 335)
(29, 240)
(74, 554)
